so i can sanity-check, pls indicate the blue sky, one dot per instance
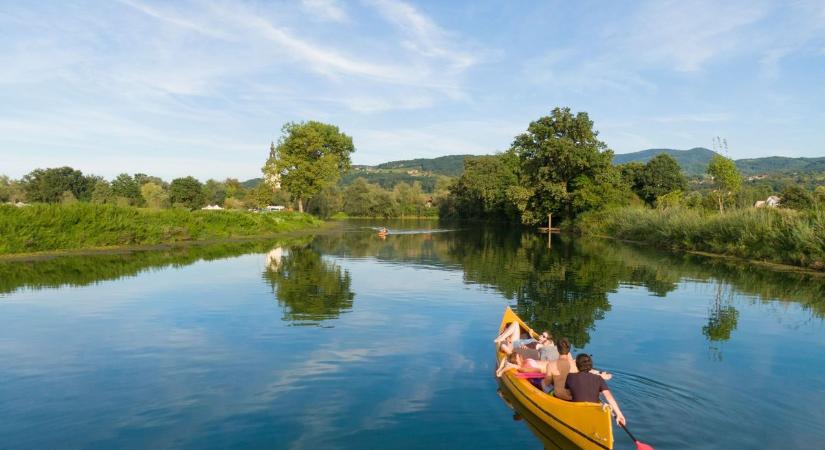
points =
(201, 88)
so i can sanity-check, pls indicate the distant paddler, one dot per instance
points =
(383, 231)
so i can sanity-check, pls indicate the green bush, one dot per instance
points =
(765, 234)
(42, 227)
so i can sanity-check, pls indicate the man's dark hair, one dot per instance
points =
(563, 346)
(584, 362)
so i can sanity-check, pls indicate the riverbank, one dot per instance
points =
(764, 235)
(57, 228)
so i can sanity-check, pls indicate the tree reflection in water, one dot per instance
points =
(309, 288)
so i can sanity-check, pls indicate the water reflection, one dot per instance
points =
(309, 288)
(565, 286)
(84, 270)
(562, 284)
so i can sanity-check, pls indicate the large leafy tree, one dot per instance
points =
(661, 175)
(564, 168)
(187, 192)
(48, 185)
(309, 156)
(127, 187)
(481, 191)
(726, 177)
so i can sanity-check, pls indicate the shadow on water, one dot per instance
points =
(549, 437)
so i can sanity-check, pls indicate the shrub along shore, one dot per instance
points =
(766, 234)
(44, 227)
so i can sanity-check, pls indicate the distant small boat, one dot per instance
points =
(552, 230)
(588, 425)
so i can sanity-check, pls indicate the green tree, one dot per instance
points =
(560, 155)
(102, 193)
(309, 156)
(661, 175)
(188, 192)
(726, 177)
(11, 190)
(215, 192)
(154, 195)
(481, 191)
(262, 195)
(362, 199)
(327, 202)
(233, 188)
(127, 187)
(795, 197)
(48, 185)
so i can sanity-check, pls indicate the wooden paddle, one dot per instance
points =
(639, 444)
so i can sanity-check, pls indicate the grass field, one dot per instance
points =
(41, 227)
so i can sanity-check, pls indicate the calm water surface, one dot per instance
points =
(345, 340)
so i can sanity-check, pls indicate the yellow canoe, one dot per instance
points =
(587, 425)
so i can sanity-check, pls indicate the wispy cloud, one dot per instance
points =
(423, 35)
(326, 10)
(688, 34)
(698, 117)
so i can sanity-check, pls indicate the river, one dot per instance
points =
(346, 340)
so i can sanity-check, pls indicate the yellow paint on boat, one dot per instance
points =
(587, 425)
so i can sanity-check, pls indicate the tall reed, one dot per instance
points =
(766, 234)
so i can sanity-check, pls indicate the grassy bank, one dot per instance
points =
(40, 228)
(772, 235)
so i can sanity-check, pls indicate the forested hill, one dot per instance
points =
(693, 162)
(450, 166)
(425, 171)
(780, 164)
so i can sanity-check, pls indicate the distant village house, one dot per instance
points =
(770, 202)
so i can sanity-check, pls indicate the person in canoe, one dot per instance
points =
(511, 340)
(585, 386)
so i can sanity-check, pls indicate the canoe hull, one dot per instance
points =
(587, 425)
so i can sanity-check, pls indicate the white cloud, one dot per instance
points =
(688, 34)
(423, 35)
(327, 10)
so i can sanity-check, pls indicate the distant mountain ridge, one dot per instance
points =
(450, 165)
(694, 162)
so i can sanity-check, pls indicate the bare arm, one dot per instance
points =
(615, 407)
(605, 375)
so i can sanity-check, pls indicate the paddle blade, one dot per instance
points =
(642, 446)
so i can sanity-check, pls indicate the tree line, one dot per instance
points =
(554, 171)
(559, 169)
(67, 185)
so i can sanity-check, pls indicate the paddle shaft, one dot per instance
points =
(628, 433)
